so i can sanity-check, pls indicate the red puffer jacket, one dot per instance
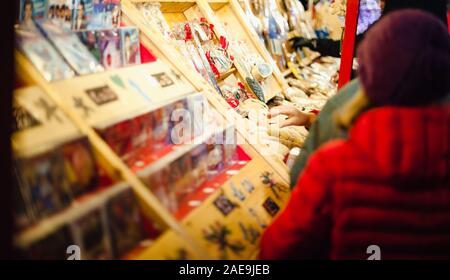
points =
(387, 185)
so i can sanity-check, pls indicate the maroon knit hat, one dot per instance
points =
(405, 59)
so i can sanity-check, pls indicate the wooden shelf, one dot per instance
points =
(225, 75)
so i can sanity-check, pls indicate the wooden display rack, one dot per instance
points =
(182, 10)
(265, 189)
(230, 19)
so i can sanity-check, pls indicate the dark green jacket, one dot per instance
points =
(324, 128)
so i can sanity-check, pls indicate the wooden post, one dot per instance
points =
(348, 44)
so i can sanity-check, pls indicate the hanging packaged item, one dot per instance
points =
(91, 233)
(71, 48)
(254, 21)
(154, 17)
(275, 30)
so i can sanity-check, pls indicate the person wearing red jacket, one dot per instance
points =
(388, 184)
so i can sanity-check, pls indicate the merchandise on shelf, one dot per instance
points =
(110, 46)
(71, 48)
(32, 9)
(129, 37)
(106, 14)
(125, 222)
(42, 54)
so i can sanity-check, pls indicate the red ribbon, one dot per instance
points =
(188, 31)
(213, 67)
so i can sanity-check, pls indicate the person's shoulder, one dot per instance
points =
(329, 154)
(340, 98)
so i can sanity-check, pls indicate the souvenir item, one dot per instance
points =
(71, 48)
(124, 222)
(91, 234)
(224, 205)
(44, 179)
(80, 166)
(106, 14)
(261, 71)
(110, 49)
(193, 32)
(229, 96)
(141, 138)
(82, 15)
(159, 184)
(42, 55)
(199, 157)
(215, 155)
(184, 185)
(154, 17)
(160, 128)
(192, 56)
(271, 207)
(90, 39)
(51, 247)
(218, 59)
(179, 122)
(254, 21)
(256, 88)
(274, 30)
(32, 9)
(130, 46)
(60, 13)
(220, 234)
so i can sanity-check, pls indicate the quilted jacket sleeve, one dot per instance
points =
(303, 229)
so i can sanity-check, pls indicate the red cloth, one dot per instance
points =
(146, 54)
(387, 185)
